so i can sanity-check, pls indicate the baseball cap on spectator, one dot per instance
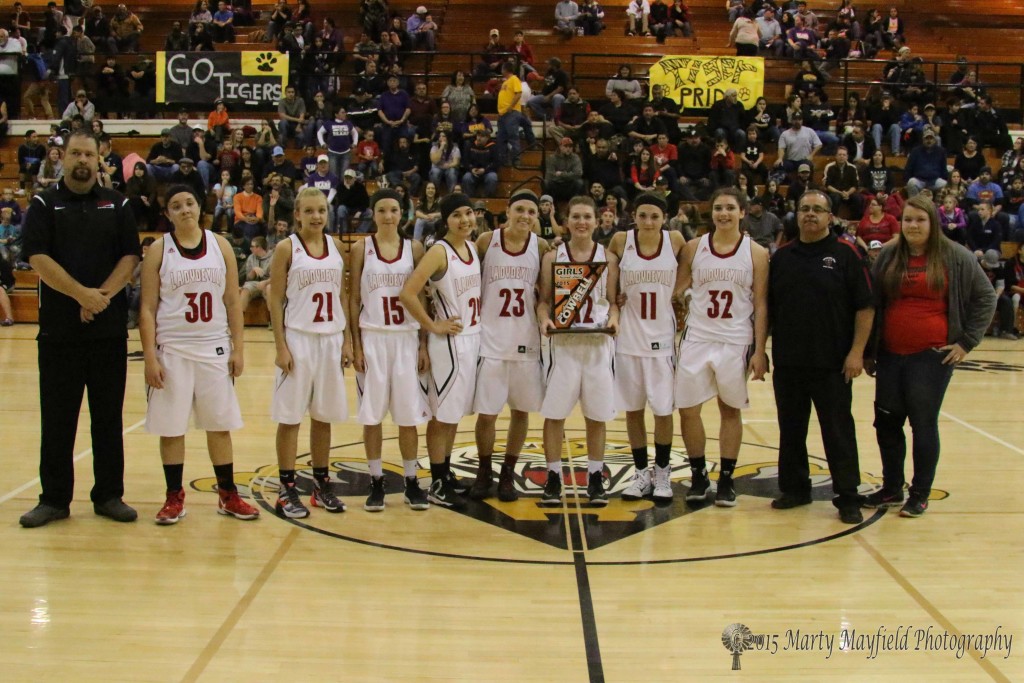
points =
(662, 180)
(350, 173)
(875, 244)
(165, 131)
(985, 169)
(990, 259)
(494, 32)
(804, 168)
(565, 141)
(322, 157)
(277, 151)
(692, 133)
(480, 205)
(185, 160)
(421, 10)
(886, 95)
(796, 116)
(929, 106)
(546, 198)
(928, 133)
(360, 90)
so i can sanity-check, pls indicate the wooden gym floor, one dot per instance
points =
(515, 592)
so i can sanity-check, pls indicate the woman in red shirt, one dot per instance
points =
(876, 224)
(933, 306)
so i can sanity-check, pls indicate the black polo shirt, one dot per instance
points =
(87, 235)
(814, 292)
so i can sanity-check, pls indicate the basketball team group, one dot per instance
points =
(474, 326)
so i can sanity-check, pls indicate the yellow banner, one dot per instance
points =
(699, 82)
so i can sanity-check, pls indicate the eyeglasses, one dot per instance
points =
(813, 209)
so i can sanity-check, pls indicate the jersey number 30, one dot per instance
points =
(200, 307)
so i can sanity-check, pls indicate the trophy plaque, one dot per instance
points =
(573, 310)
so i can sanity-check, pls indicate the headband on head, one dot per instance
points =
(452, 202)
(652, 199)
(524, 195)
(386, 193)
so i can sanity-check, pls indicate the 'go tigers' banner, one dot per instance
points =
(248, 78)
(698, 82)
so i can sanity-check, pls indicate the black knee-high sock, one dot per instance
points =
(172, 476)
(727, 468)
(321, 475)
(698, 464)
(225, 477)
(640, 458)
(287, 477)
(662, 453)
(437, 470)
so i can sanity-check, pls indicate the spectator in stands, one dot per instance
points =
(21, 22)
(510, 117)
(444, 122)
(988, 126)
(926, 166)
(797, 145)
(224, 191)
(859, 147)
(680, 20)
(218, 123)
(371, 81)
(177, 40)
(222, 28)
(30, 156)
(624, 81)
(422, 30)
(850, 114)
(97, 28)
(181, 132)
(762, 120)
(201, 16)
(445, 160)
(771, 38)
(723, 164)
(279, 199)
(563, 172)
(745, 34)
(494, 55)
(281, 165)
(876, 224)
(819, 116)
(638, 13)
(571, 116)
(265, 140)
(694, 168)
(801, 41)
(188, 175)
(140, 189)
(126, 29)
(162, 160)
(422, 112)
(752, 163)
(394, 114)
(953, 220)
(53, 20)
(726, 117)
(658, 22)
(364, 52)
(249, 211)
(352, 202)
(256, 273)
(368, 156)
(647, 127)
(567, 14)
(552, 94)
(985, 232)
(143, 78)
(591, 17)
(292, 119)
(202, 39)
(970, 160)
(480, 162)
(402, 166)
(602, 166)
(51, 170)
(339, 137)
(763, 226)
(618, 112)
(7, 201)
(886, 121)
(876, 176)
(428, 213)
(10, 237)
(459, 94)
(893, 29)
(984, 190)
(279, 18)
(324, 180)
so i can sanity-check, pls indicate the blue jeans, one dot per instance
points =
(162, 173)
(910, 387)
(509, 125)
(540, 107)
(894, 136)
(450, 176)
(471, 184)
(341, 223)
(339, 163)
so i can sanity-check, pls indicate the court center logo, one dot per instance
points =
(677, 531)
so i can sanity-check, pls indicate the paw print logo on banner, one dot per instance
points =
(266, 61)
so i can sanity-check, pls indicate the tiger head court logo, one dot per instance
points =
(528, 531)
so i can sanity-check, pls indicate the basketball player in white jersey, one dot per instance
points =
(451, 267)
(580, 367)
(509, 371)
(307, 311)
(645, 346)
(190, 321)
(389, 353)
(724, 277)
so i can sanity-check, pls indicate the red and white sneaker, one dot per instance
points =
(230, 503)
(173, 509)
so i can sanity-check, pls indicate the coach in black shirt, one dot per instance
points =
(820, 308)
(82, 241)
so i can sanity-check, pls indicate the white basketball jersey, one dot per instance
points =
(594, 311)
(382, 281)
(722, 303)
(457, 292)
(647, 323)
(510, 301)
(191, 319)
(314, 290)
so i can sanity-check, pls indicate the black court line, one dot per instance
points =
(595, 669)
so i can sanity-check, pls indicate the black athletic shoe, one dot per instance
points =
(458, 485)
(507, 485)
(442, 492)
(415, 497)
(323, 497)
(882, 499)
(481, 487)
(115, 509)
(552, 489)
(791, 500)
(914, 507)
(726, 495)
(375, 501)
(43, 514)
(595, 489)
(700, 487)
(850, 514)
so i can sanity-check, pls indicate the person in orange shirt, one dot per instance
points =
(248, 211)
(217, 122)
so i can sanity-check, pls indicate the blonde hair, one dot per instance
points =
(308, 193)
